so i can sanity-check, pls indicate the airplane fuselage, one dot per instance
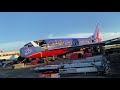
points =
(53, 47)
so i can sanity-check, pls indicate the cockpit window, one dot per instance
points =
(40, 42)
(28, 45)
(92, 40)
(44, 45)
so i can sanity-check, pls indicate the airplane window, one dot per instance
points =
(56, 43)
(53, 44)
(73, 43)
(28, 45)
(87, 41)
(69, 42)
(50, 44)
(60, 43)
(90, 41)
(41, 42)
(77, 43)
(36, 42)
(44, 45)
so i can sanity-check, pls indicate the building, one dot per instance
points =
(9, 55)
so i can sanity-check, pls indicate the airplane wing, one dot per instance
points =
(111, 41)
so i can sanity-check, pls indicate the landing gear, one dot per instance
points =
(64, 56)
(53, 58)
(108, 71)
(20, 59)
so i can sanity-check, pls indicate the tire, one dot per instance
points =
(108, 72)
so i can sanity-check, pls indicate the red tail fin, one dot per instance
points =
(97, 33)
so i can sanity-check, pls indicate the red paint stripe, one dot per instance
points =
(48, 53)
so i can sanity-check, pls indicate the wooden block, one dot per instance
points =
(16, 66)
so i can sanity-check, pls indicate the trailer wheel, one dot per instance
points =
(108, 71)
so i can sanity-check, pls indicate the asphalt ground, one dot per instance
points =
(25, 72)
(28, 73)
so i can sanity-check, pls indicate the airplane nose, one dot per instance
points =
(25, 51)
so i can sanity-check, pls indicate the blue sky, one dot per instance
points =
(18, 28)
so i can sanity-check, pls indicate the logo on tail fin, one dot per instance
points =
(95, 36)
(97, 31)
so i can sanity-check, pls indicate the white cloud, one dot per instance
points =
(111, 35)
(12, 46)
(79, 35)
(104, 36)
(15, 46)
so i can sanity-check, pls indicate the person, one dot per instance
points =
(46, 61)
(80, 55)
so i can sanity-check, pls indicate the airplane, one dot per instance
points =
(55, 47)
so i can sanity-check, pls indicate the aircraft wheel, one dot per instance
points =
(108, 71)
